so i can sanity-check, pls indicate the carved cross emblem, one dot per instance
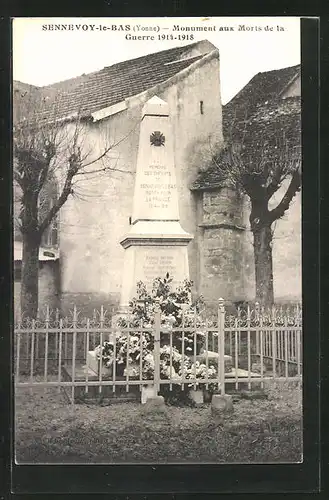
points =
(157, 138)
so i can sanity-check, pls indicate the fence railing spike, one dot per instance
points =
(248, 313)
(75, 314)
(273, 313)
(157, 304)
(297, 312)
(221, 302)
(271, 341)
(47, 313)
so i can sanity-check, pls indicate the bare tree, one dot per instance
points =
(262, 156)
(47, 148)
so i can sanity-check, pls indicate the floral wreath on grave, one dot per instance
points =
(135, 351)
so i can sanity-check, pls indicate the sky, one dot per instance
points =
(43, 55)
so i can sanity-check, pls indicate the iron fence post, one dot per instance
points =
(221, 340)
(257, 320)
(157, 326)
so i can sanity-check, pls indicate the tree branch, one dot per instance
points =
(274, 185)
(18, 177)
(66, 191)
(292, 190)
(104, 169)
(106, 150)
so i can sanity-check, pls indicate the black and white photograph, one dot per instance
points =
(157, 249)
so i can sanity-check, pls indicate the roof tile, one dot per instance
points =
(257, 105)
(263, 87)
(92, 92)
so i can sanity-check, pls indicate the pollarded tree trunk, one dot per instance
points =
(263, 264)
(30, 256)
(30, 276)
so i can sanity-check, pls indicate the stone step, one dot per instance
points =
(214, 359)
(134, 394)
(119, 395)
(253, 393)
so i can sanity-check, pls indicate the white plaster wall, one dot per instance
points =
(91, 229)
(93, 223)
(294, 90)
(287, 250)
(195, 136)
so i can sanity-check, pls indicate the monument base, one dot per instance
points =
(153, 249)
(156, 243)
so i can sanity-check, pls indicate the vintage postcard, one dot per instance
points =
(157, 240)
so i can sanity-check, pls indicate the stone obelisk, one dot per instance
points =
(156, 243)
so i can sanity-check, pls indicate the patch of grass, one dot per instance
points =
(49, 430)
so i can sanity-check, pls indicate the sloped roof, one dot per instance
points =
(23, 92)
(208, 180)
(261, 89)
(92, 92)
(24, 87)
(256, 110)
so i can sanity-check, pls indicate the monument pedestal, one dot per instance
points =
(156, 243)
(153, 249)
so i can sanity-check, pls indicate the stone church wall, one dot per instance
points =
(226, 258)
(287, 251)
(93, 222)
(221, 246)
(287, 241)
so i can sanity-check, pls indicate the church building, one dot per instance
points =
(96, 217)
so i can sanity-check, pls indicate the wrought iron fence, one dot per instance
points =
(228, 351)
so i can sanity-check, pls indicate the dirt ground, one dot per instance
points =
(49, 430)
